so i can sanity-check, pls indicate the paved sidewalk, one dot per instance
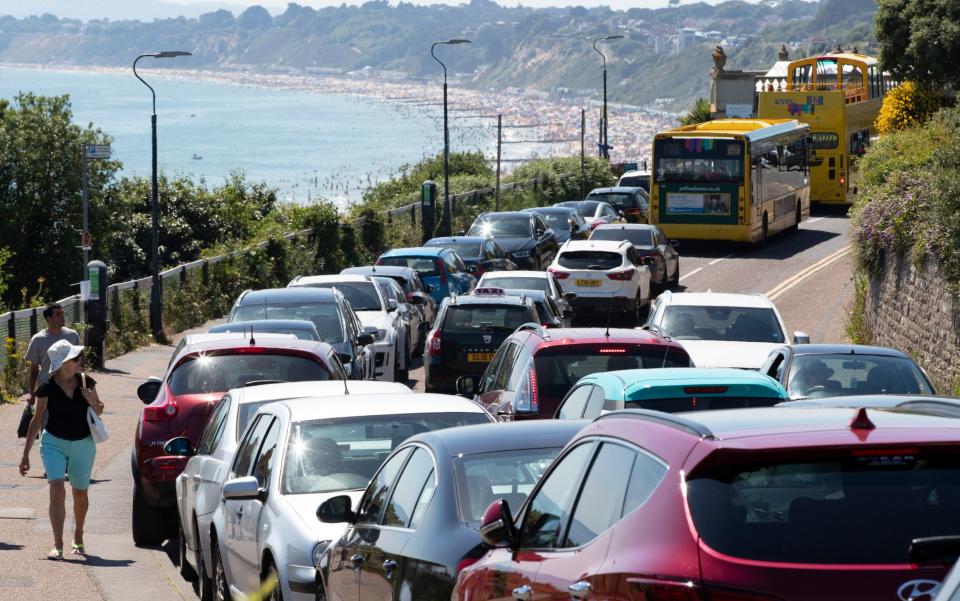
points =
(114, 568)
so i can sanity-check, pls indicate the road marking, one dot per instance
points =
(814, 220)
(697, 270)
(792, 281)
(715, 261)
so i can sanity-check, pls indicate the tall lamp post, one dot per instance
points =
(156, 318)
(447, 217)
(604, 145)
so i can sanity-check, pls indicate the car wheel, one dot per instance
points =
(402, 375)
(675, 280)
(148, 522)
(221, 590)
(186, 570)
(203, 585)
(272, 579)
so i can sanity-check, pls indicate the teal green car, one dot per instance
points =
(671, 390)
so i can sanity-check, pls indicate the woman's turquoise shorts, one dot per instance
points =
(72, 458)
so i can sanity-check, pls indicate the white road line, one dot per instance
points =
(814, 220)
(792, 281)
(715, 261)
(697, 270)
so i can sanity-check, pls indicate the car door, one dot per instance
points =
(194, 481)
(495, 379)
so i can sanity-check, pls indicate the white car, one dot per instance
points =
(720, 329)
(198, 486)
(640, 179)
(377, 314)
(603, 275)
(295, 455)
(527, 280)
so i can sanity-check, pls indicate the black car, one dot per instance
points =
(633, 202)
(810, 371)
(566, 223)
(531, 243)
(468, 332)
(482, 254)
(417, 524)
(656, 251)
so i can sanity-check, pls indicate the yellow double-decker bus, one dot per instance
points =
(741, 180)
(839, 95)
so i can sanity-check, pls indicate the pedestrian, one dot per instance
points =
(66, 447)
(41, 342)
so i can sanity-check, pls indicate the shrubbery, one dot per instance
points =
(907, 105)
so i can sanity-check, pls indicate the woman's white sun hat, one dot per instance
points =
(60, 352)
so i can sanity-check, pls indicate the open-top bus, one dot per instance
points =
(839, 95)
(731, 179)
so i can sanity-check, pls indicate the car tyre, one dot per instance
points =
(221, 590)
(276, 592)
(402, 375)
(203, 585)
(186, 570)
(148, 525)
(675, 280)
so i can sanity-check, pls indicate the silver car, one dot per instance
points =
(295, 455)
(198, 486)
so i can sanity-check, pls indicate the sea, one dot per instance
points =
(308, 145)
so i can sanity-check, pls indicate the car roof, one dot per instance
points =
(636, 172)
(307, 280)
(520, 273)
(506, 299)
(553, 209)
(295, 294)
(499, 214)
(565, 336)
(490, 438)
(193, 343)
(846, 349)
(625, 226)
(607, 245)
(447, 239)
(355, 405)
(877, 401)
(664, 382)
(415, 251)
(615, 190)
(290, 324)
(293, 390)
(528, 292)
(387, 270)
(720, 299)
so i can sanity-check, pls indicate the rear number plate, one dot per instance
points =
(480, 357)
(587, 283)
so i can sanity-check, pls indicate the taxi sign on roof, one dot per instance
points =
(489, 291)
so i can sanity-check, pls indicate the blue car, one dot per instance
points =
(671, 390)
(439, 267)
(478, 253)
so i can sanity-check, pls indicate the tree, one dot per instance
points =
(907, 105)
(700, 113)
(920, 40)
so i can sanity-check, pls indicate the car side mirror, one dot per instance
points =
(364, 339)
(467, 386)
(148, 391)
(179, 446)
(392, 305)
(417, 300)
(801, 337)
(428, 287)
(471, 269)
(241, 489)
(496, 527)
(345, 359)
(336, 510)
(461, 233)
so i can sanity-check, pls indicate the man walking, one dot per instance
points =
(43, 340)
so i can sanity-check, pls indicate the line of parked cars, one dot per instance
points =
(694, 456)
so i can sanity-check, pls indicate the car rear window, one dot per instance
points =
(220, 373)
(469, 250)
(326, 316)
(618, 201)
(479, 317)
(517, 283)
(859, 506)
(558, 370)
(424, 265)
(814, 376)
(590, 259)
(641, 181)
(637, 237)
(361, 295)
(301, 333)
(586, 209)
(741, 324)
(702, 403)
(482, 478)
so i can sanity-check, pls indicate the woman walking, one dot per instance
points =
(67, 449)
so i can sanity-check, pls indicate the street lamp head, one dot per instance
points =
(613, 37)
(171, 54)
(458, 41)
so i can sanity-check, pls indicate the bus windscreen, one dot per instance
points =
(698, 160)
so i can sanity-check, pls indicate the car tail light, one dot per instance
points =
(163, 411)
(621, 276)
(164, 468)
(435, 343)
(438, 264)
(560, 275)
(250, 350)
(465, 563)
(534, 395)
(704, 389)
(612, 351)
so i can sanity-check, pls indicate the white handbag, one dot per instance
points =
(98, 429)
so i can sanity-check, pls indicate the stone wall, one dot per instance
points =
(908, 307)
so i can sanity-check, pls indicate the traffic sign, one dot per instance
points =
(97, 151)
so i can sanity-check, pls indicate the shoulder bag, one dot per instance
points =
(98, 429)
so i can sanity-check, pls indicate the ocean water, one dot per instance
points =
(306, 144)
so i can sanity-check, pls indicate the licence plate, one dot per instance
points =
(480, 357)
(587, 283)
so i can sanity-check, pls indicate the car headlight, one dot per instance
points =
(380, 335)
(523, 254)
(318, 550)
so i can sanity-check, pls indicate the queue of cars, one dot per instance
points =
(694, 456)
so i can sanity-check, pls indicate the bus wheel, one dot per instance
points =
(764, 232)
(796, 225)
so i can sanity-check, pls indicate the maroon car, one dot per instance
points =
(203, 368)
(771, 504)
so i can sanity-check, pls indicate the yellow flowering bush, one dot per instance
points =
(907, 105)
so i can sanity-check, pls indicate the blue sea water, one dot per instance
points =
(303, 143)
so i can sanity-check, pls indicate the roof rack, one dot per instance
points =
(666, 419)
(534, 327)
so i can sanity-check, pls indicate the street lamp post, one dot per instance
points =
(604, 142)
(447, 217)
(156, 318)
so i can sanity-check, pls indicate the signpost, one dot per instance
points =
(90, 152)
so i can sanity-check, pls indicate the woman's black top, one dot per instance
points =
(67, 416)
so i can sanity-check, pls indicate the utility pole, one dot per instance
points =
(499, 142)
(583, 159)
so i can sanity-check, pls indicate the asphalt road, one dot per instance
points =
(807, 273)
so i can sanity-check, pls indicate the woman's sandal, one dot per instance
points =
(77, 549)
(55, 554)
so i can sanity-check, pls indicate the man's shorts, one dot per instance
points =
(72, 458)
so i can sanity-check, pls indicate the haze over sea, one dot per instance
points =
(302, 143)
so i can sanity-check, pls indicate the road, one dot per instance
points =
(808, 274)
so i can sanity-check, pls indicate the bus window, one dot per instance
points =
(823, 140)
(801, 77)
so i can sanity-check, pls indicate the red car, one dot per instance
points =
(203, 368)
(535, 367)
(772, 504)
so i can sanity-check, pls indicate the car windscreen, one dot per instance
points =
(740, 324)
(558, 370)
(324, 315)
(362, 295)
(482, 478)
(635, 236)
(590, 259)
(343, 454)
(853, 506)
(301, 333)
(517, 283)
(617, 200)
(640, 181)
(221, 372)
(426, 266)
(503, 226)
(702, 403)
(813, 376)
(467, 250)
(471, 318)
